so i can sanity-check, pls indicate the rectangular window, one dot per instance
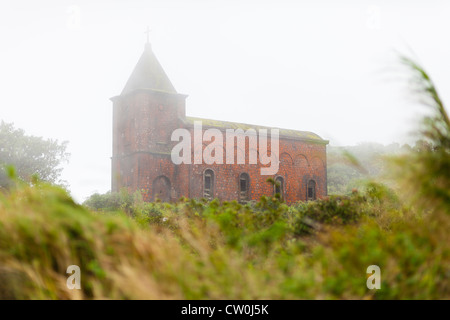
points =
(243, 185)
(208, 182)
(207, 191)
(310, 193)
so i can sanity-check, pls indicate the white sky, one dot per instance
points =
(324, 66)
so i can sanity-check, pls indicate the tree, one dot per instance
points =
(30, 155)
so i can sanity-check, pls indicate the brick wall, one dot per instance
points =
(142, 125)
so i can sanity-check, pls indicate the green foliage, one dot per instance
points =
(351, 167)
(110, 201)
(426, 171)
(199, 250)
(31, 156)
(334, 210)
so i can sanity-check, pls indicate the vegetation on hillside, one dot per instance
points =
(30, 156)
(349, 167)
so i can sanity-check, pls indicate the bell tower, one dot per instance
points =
(145, 114)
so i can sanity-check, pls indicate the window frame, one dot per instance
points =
(246, 197)
(212, 175)
(282, 185)
(314, 197)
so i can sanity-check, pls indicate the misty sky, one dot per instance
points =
(324, 66)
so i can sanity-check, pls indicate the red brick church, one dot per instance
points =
(146, 114)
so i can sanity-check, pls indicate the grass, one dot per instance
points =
(199, 250)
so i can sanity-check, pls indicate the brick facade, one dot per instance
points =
(147, 112)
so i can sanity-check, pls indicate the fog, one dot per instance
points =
(330, 67)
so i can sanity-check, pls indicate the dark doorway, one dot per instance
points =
(161, 189)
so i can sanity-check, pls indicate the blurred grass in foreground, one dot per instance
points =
(268, 250)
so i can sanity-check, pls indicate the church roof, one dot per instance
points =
(284, 133)
(148, 74)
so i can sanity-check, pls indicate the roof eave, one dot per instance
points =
(282, 136)
(127, 94)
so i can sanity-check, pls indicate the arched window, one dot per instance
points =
(208, 184)
(279, 186)
(244, 186)
(311, 190)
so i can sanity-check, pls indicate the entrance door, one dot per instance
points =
(161, 189)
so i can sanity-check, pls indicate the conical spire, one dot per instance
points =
(148, 74)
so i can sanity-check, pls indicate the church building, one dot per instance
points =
(149, 110)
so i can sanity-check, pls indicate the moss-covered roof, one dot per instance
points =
(287, 133)
(148, 74)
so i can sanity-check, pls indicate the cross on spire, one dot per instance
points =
(147, 32)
